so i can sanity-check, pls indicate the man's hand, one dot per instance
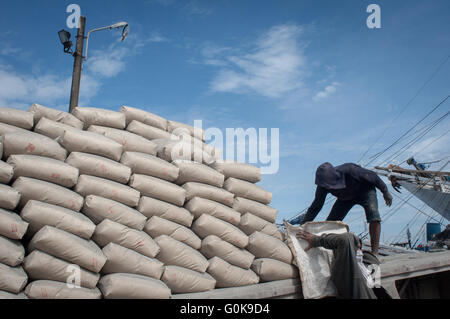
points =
(308, 237)
(388, 198)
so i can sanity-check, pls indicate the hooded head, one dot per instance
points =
(328, 177)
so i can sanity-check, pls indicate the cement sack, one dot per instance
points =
(10, 295)
(6, 172)
(182, 280)
(91, 185)
(158, 188)
(271, 269)
(42, 266)
(171, 150)
(51, 128)
(265, 246)
(99, 208)
(124, 260)
(33, 189)
(12, 279)
(129, 141)
(92, 143)
(68, 247)
(131, 286)
(49, 169)
(6, 128)
(212, 151)
(157, 226)
(1, 147)
(237, 170)
(315, 264)
(176, 253)
(9, 197)
(178, 128)
(146, 164)
(207, 225)
(11, 225)
(213, 193)
(147, 131)
(96, 116)
(11, 252)
(39, 214)
(244, 205)
(30, 143)
(111, 232)
(155, 207)
(94, 165)
(251, 223)
(214, 246)
(62, 117)
(199, 206)
(48, 289)
(196, 172)
(228, 275)
(16, 117)
(245, 189)
(135, 114)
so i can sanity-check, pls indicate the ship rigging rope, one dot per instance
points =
(406, 106)
(377, 155)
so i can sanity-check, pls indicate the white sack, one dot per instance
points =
(265, 246)
(48, 289)
(22, 119)
(158, 188)
(42, 266)
(123, 260)
(62, 117)
(92, 143)
(10, 295)
(11, 225)
(11, 252)
(45, 169)
(147, 131)
(68, 247)
(146, 164)
(111, 232)
(216, 194)
(214, 246)
(157, 226)
(237, 170)
(182, 280)
(32, 144)
(12, 279)
(6, 171)
(96, 116)
(135, 114)
(271, 269)
(207, 225)
(91, 185)
(178, 128)
(199, 206)
(176, 253)
(39, 214)
(9, 197)
(94, 165)
(196, 172)
(50, 193)
(131, 286)
(251, 223)
(155, 207)
(245, 189)
(171, 150)
(129, 141)
(51, 128)
(244, 205)
(6, 128)
(228, 275)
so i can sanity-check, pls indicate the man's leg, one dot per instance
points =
(370, 204)
(340, 209)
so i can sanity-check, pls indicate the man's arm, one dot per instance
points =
(316, 205)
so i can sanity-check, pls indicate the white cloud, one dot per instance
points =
(274, 67)
(326, 92)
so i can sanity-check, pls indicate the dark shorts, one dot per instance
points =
(367, 200)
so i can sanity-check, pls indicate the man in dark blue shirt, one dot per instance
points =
(352, 185)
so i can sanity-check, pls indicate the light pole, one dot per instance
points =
(64, 37)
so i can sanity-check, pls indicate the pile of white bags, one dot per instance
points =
(127, 205)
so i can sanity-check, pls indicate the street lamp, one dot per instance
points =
(64, 37)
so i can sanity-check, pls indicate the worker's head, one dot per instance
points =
(328, 177)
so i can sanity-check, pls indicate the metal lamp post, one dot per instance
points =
(64, 37)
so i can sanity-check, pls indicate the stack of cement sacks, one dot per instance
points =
(127, 205)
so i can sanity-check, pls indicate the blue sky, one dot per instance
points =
(310, 68)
